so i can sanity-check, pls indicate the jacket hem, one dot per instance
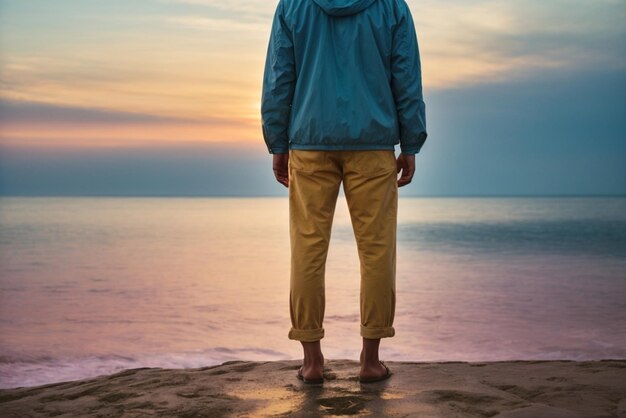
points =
(340, 147)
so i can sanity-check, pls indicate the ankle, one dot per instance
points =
(312, 354)
(370, 361)
(369, 352)
(314, 358)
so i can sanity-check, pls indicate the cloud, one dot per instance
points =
(475, 42)
(39, 124)
(260, 9)
(13, 111)
(217, 25)
(239, 17)
(179, 80)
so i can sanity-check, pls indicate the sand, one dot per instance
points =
(533, 389)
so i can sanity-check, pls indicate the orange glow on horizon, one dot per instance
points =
(245, 131)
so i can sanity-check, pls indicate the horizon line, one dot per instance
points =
(250, 196)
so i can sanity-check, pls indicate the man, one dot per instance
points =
(341, 87)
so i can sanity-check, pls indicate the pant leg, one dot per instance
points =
(314, 181)
(370, 185)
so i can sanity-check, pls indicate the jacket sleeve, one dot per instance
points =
(279, 80)
(406, 84)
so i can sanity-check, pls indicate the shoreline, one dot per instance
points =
(522, 388)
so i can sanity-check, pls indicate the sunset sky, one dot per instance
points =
(163, 97)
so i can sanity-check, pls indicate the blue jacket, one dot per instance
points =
(343, 75)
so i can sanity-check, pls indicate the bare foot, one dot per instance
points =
(313, 368)
(371, 366)
(313, 364)
(371, 371)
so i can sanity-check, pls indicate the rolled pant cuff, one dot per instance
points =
(375, 333)
(306, 335)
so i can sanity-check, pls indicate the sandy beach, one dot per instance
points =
(444, 389)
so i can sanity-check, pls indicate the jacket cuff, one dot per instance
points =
(278, 150)
(415, 147)
(409, 150)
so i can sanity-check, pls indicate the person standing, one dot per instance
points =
(342, 86)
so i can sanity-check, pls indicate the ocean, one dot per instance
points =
(94, 285)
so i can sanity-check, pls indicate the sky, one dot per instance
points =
(162, 97)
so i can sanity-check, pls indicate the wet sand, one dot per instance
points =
(248, 389)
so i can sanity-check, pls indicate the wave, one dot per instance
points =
(579, 236)
(19, 370)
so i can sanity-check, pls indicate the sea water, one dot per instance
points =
(94, 285)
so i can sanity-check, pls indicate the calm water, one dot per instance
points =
(90, 286)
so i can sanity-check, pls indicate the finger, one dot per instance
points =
(282, 179)
(406, 178)
(279, 173)
(408, 169)
(403, 181)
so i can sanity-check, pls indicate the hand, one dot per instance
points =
(406, 164)
(281, 168)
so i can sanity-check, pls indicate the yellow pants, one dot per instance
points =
(370, 184)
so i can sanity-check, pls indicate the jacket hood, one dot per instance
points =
(343, 7)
